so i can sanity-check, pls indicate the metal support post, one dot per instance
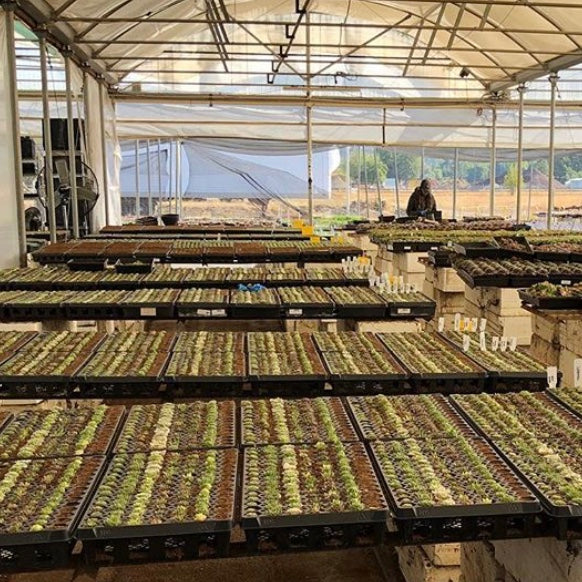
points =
(48, 158)
(178, 178)
(149, 166)
(71, 139)
(493, 162)
(378, 185)
(455, 180)
(160, 182)
(102, 89)
(18, 189)
(137, 182)
(366, 183)
(348, 181)
(552, 160)
(309, 117)
(521, 90)
(396, 184)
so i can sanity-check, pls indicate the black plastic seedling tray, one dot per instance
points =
(553, 256)
(521, 281)
(255, 311)
(475, 250)
(308, 310)
(33, 312)
(551, 303)
(306, 385)
(497, 280)
(88, 311)
(148, 311)
(203, 310)
(525, 252)
(411, 309)
(140, 266)
(556, 397)
(361, 311)
(204, 386)
(87, 264)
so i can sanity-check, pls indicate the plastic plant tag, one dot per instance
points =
(403, 311)
(513, 343)
(552, 376)
(475, 324)
(295, 312)
(466, 342)
(466, 324)
(578, 373)
(503, 344)
(441, 324)
(148, 311)
(482, 324)
(482, 342)
(218, 313)
(457, 324)
(494, 343)
(461, 325)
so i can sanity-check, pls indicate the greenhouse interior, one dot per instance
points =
(291, 289)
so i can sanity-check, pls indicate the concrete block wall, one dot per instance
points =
(419, 564)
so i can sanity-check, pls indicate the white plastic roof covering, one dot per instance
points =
(163, 43)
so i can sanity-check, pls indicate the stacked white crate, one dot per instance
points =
(503, 311)
(447, 289)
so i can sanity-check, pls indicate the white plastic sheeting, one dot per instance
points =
(496, 41)
(9, 257)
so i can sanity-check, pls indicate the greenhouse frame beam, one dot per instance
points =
(37, 14)
(552, 153)
(71, 140)
(493, 162)
(521, 90)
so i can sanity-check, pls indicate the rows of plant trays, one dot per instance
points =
(541, 440)
(226, 229)
(571, 398)
(167, 365)
(516, 272)
(204, 251)
(550, 296)
(504, 368)
(343, 302)
(61, 279)
(162, 479)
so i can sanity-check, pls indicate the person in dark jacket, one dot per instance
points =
(421, 201)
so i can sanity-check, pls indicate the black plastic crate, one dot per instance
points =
(131, 266)
(308, 310)
(255, 311)
(87, 264)
(412, 246)
(89, 311)
(115, 391)
(313, 385)
(361, 311)
(551, 303)
(499, 381)
(204, 386)
(411, 309)
(149, 311)
(203, 310)
(33, 312)
(35, 557)
(16, 390)
(474, 250)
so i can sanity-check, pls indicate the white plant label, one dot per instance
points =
(482, 324)
(552, 376)
(513, 343)
(578, 373)
(475, 324)
(403, 311)
(466, 324)
(441, 324)
(466, 342)
(482, 342)
(494, 343)
(148, 311)
(503, 344)
(218, 313)
(457, 321)
(296, 312)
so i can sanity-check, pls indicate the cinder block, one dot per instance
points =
(428, 289)
(429, 273)
(444, 554)
(541, 560)
(451, 300)
(446, 279)
(416, 279)
(570, 334)
(416, 567)
(546, 326)
(478, 563)
(566, 365)
(383, 266)
(544, 351)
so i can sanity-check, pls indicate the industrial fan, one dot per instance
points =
(87, 193)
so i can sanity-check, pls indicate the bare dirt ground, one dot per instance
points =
(469, 203)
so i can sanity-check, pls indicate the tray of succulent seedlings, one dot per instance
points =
(186, 251)
(278, 361)
(404, 305)
(150, 303)
(202, 303)
(570, 398)
(31, 279)
(208, 277)
(360, 364)
(118, 249)
(135, 341)
(249, 252)
(150, 250)
(39, 434)
(276, 421)
(110, 279)
(36, 305)
(324, 276)
(504, 368)
(99, 304)
(12, 341)
(357, 302)
(415, 416)
(263, 303)
(64, 341)
(209, 341)
(281, 251)
(433, 363)
(205, 373)
(329, 489)
(134, 367)
(305, 302)
(277, 277)
(246, 276)
(165, 276)
(539, 438)
(42, 498)
(76, 280)
(42, 367)
(201, 424)
(476, 249)
(514, 246)
(163, 493)
(217, 251)
(449, 478)
(547, 295)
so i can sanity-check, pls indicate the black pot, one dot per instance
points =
(170, 219)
